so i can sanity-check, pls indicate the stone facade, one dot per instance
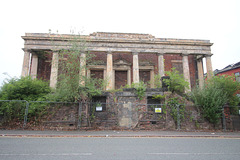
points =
(133, 57)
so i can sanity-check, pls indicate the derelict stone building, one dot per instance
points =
(126, 57)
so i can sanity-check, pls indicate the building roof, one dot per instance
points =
(228, 68)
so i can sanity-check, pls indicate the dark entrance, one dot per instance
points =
(144, 76)
(97, 74)
(120, 79)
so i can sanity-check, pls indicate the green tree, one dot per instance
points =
(69, 87)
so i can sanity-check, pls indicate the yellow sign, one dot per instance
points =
(158, 110)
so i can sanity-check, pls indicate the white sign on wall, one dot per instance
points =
(158, 110)
(99, 108)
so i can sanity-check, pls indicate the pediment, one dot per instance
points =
(121, 62)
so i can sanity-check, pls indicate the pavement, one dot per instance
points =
(117, 133)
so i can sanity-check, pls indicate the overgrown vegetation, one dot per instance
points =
(217, 91)
(176, 108)
(176, 82)
(157, 83)
(140, 89)
(72, 85)
(24, 88)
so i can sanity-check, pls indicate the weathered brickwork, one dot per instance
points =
(44, 65)
(120, 79)
(175, 61)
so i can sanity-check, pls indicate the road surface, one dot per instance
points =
(52, 148)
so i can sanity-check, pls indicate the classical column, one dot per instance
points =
(152, 78)
(109, 73)
(54, 70)
(82, 71)
(186, 73)
(160, 64)
(34, 66)
(26, 60)
(129, 77)
(200, 72)
(135, 68)
(209, 66)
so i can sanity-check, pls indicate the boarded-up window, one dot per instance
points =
(97, 74)
(178, 66)
(120, 79)
(144, 76)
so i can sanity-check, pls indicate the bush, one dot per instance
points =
(24, 88)
(217, 91)
(140, 89)
(210, 99)
(176, 83)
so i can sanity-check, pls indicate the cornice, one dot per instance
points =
(87, 38)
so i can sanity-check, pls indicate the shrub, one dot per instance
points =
(24, 88)
(176, 83)
(174, 104)
(140, 89)
(217, 91)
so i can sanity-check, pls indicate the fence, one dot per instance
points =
(71, 115)
(20, 110)
(231, 118)
(163, 116)
(53, 114)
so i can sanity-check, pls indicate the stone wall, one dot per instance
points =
(121, 110)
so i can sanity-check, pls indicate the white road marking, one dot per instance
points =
(47, 154)
(194, 153)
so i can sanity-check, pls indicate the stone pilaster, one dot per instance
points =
(129, 77)
(160, 64)
(200, 72)
(135, 68)
(209, 66)
(152, 78)
(26, 60)
(186, 73)
(34, 66)
(109, 73)
(82, 72)
(54, 70)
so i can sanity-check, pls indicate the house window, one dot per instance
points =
(237, 76)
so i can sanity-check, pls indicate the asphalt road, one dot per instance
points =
(119, 148)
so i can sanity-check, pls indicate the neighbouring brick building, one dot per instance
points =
(233, 69)
(125, 57)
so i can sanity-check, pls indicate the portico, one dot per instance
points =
(140, 53)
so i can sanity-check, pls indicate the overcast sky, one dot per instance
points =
(214, 20)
